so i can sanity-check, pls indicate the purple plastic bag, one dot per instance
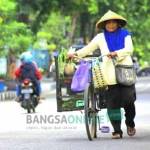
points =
(81, 77)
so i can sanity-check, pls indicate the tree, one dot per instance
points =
(35, 12)
(15, 36)
(54, 31)
(83, 16)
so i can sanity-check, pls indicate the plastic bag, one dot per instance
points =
(81, 77)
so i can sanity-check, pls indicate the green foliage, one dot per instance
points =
(14, 35)
(7, 8)
(57, 22)
(54, 31)
(2, 76)
(93, 7)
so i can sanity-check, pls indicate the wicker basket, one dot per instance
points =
(98, 74)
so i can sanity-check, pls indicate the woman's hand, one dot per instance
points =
(112, 54)
(71, 55)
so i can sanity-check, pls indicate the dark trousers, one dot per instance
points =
(120, 96)
(115, 117)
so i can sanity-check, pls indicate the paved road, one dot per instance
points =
(50, 130)
(143, 85)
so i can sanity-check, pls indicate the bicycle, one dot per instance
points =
(91, 100)
(94, 101)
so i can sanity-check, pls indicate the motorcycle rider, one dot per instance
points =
(28, 69)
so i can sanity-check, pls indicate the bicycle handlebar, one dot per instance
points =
(91, 56)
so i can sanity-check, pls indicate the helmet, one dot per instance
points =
(26, 57)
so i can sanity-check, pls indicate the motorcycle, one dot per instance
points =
(28, 98)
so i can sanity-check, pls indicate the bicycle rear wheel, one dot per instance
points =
(90, 112)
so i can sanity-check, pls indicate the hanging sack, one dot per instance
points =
(98, 74)
(81, 77)
(69, 68)
(125, 74)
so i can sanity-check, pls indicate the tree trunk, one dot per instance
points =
(85, 27)
(11, 64)
(73, 27)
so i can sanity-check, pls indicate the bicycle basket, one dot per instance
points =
(98, 74)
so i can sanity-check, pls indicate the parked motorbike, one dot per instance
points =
(28, 98)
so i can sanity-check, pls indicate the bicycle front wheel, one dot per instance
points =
(90, 112)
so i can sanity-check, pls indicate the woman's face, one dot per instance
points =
(111, 25)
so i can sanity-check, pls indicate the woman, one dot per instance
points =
(114, 41)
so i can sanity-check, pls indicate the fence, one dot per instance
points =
(7, 90)
(7, 95)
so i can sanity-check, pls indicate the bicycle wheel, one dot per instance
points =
(28, 110)
(90, 112)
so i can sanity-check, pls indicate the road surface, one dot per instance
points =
(49, 130)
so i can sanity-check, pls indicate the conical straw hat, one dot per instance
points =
(110, 15)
